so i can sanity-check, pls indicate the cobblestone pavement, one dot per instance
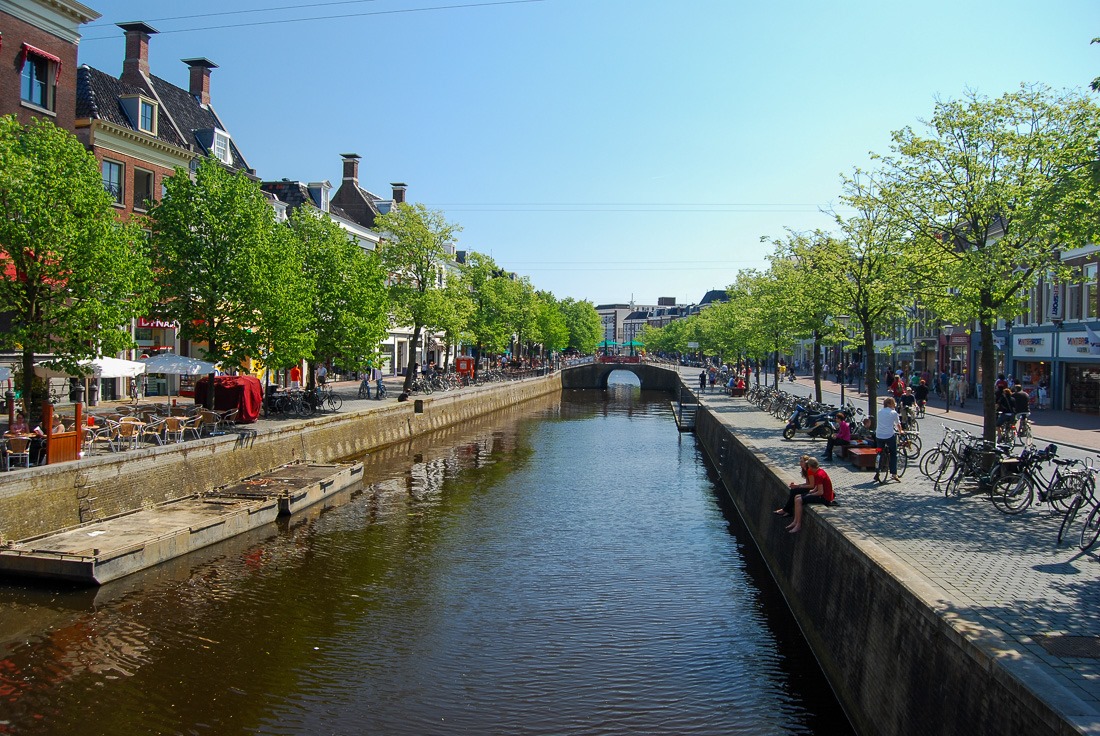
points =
(1004, 574)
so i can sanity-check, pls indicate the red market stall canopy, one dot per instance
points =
(242, 393)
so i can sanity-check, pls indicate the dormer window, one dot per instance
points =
(221, 146)
(148, 116)
(142, 112)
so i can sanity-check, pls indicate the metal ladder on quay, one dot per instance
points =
(684, 410)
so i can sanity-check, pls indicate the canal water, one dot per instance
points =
(569, 567)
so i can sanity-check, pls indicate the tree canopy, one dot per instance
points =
(73, 275)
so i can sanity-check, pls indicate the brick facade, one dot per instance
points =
(16, 32)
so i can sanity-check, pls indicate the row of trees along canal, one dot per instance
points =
(211, 257)
(961, 219)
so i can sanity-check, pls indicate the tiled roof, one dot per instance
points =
(98, 96)
(181, 120)
(192, 119)
(292, 193)
(714, 295)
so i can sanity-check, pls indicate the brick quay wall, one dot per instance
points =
(54, 497)
(898, 660)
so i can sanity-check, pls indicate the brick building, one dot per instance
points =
(140, 127)
(38, 47)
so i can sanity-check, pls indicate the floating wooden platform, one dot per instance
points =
(100, 551)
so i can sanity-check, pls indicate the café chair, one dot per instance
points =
(174, 427)
(19, 451)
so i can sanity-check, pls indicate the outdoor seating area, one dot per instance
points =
(151, 425)
(112, 429)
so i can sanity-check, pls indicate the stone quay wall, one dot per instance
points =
(898, 661)
(59, 496)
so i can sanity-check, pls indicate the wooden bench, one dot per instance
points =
(863, 457)
(737, 393)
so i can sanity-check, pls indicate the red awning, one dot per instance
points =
(28, 49)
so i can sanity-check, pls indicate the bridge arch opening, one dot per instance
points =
(619, 377)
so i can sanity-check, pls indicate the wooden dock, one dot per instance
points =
(100, 551)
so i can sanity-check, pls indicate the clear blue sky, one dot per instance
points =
(607, 149)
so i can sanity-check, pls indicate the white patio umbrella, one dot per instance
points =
(178, 365)
(96, 367)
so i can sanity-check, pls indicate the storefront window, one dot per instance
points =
(1083, 388)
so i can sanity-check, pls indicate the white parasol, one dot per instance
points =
(97, 367)
(178, 365)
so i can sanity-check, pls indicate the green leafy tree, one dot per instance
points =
(553, 333)
(871, 266)
(758, 304)
(483, 281)
(583, 323)
(414, 256)
(346, 303)
(453, 315)
(73, 275)
(281, 317)
(213, 254)
(992, 190)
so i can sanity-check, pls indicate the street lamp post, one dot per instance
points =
(948, 330)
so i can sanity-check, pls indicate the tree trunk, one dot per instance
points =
(989, 394)
(817, 365)
(28, 387)
(870, 372)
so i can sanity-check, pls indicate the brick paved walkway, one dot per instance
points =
(1003, 575)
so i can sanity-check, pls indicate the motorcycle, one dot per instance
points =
(816, 426)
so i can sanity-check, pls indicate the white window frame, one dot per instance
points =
(121, 193)
(220, 147)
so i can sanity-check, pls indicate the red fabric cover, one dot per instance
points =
(242, 393)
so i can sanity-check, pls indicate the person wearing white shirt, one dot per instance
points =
(887, 426)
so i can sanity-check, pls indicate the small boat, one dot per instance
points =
(97, 552)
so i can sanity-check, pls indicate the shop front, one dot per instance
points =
(1081, 368)
(153, 337)
(1031, 365)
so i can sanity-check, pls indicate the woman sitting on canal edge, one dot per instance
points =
(818, 488)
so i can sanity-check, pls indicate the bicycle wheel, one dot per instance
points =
(1091, 530)
(1012, 494)
(1064, 491)
(1024, 435)
(930, 461)
(910, 446)
(1069, 516)
(334, 402)
(903, 464)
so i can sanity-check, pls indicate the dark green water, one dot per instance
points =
(570, 568)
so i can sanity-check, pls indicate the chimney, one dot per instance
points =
(135, 67)
(200, 79)
(351, 167)
(399, 192)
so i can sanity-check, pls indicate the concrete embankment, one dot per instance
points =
(49, 498)
(898, 656)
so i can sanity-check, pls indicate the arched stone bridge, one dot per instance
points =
(594, 375)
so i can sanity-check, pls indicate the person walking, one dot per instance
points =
(703, 381)
(887, 426)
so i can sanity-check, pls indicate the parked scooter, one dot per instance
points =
(816, 426)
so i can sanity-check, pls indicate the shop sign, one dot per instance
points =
(1031, 346)
(1055, 302)
(156, 323)
(963, 339)
(998, 342)
(1082, 346)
